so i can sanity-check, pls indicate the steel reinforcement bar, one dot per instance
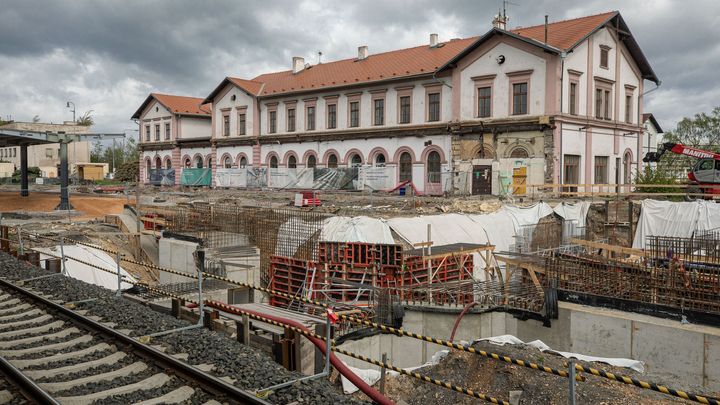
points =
(647, 385)
(425, 378)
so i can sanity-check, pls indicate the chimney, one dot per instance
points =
(362, 52)
(433, 40)
(298, 64)
(500, 21)
(546, 27)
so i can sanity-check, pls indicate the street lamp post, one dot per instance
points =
(73, 109)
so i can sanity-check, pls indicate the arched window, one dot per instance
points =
(292, 162)
(355, 160)
(380, 160)
(209, 162)
(243, 162)
(519, 153)
(198, 162)
(187, 163)
(405, 167)
(168, 164)
(273, 162)
(148, 167)
(627, 163)
(433, 167)
(158, 163)
(227, 163)
(311, 161)
(332, 162)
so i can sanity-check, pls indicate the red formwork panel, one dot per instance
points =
(358, 254)
(289, 275)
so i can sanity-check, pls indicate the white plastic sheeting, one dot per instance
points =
(371, 376)
(356, 229)
(502, 340)
(88, 274)
(680, 219)
(576, 212)
(334, 229)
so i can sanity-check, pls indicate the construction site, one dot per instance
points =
(619, 293)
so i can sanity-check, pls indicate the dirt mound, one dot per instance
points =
(497, 379)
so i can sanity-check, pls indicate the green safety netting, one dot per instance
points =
(196, 177)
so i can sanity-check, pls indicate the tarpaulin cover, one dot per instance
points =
(196, 177)
(162, 177)
(680, 219)
(502, 340)
(89, 274)
(231, 177)
(290, 178)
(576, 212)
(295, 232)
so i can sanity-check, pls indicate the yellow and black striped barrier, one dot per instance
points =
(457, 346)
(647, 385)
(424, 378)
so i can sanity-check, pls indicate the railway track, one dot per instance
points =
(50, 353)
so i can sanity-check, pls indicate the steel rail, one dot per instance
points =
(29, 389)
(209, 383)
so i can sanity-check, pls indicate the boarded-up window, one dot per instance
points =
(519, 153)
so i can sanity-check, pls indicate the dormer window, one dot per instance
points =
(604, 56)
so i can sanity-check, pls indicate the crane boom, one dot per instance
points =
(680, 149)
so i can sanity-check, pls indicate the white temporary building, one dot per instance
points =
(680, 219)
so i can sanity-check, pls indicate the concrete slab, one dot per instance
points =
(712, 355)
(600, 335)
(668, 352)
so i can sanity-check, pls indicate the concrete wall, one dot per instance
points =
(675, 354)
(177, 255)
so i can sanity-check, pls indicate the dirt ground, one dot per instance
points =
(497, 379)
(88, 207)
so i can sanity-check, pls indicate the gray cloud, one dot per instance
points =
(107, 55)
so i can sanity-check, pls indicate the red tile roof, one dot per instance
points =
(250, 86)
(381, 66)
(565, 34)
(182, 104)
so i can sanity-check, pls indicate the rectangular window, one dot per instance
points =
(354, 114)
(628, 108)
(571, 172)
(272, 122)
(601, 169)
(332, 116)
(157, 132)
(573, 98)
(607, 105)
(405, 109)
(291, 119)
(604, 53)
(434, 107)
(167, 131)
(226, 125)
(147, 133)
(484, 102)
(598, 103)
(241, 124)
(520, 98)
(310, 113)
(48, 152)
(379, 107)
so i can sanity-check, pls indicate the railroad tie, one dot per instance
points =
(156, 381)
(74, 368)
(23, 364)
(33, 321)
(8, 344)
(5, 397)
(47, 348)
(131, 369)
(16, 313)
(32, 331)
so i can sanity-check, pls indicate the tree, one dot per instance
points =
(128, 171)
(131, 154)
(86, 119)
(701, 131)
(96, 154)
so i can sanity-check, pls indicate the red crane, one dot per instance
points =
(704, 175)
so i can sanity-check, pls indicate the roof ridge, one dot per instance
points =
(371, 55)
(564, 20)
(174, 95)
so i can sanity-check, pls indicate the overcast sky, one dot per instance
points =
(106, 56)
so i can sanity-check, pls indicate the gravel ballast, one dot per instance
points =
(250, 368)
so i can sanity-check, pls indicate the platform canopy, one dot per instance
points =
(25, 138)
